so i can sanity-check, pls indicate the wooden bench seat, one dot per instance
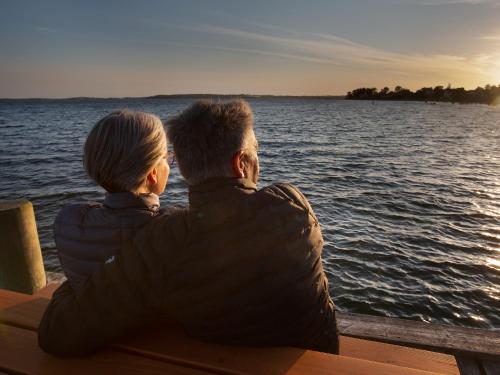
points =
(20, 353)
(167, 344)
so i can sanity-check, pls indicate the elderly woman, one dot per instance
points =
(126, 154)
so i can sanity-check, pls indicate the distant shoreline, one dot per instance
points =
(182, 96)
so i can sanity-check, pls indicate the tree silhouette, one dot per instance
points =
(490, 94)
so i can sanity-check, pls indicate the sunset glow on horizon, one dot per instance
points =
(117, 49)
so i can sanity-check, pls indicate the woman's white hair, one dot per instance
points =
(122, 148)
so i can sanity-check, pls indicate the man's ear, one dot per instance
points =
(238, 165)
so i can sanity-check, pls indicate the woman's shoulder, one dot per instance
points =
(76, 212)
(98, 214)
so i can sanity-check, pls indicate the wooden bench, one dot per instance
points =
(166, 349)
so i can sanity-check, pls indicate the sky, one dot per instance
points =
(66, 48)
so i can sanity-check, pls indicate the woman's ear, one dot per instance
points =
(238, 165)
(152, 177)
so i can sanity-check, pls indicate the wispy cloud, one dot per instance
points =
(42, 29)
(331, 49)
(494, 38)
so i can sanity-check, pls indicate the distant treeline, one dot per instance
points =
(487, 95)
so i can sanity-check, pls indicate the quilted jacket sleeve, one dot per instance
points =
(119, 298)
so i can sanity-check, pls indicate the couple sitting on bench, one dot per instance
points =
(239, 266)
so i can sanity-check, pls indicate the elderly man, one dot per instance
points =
(240, 266)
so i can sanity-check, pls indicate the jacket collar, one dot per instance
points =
(220, 188)
(123, 200)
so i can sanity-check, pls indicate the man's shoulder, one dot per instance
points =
(285, 191)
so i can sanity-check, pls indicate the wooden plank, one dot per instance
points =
(24, 310)
(21, 310)
(277, 361)
(348, 366)
(179, 347)
(169, 342)
(21, 354)
(468, 365)
(398, 355)
(490, 367)
(446, 338)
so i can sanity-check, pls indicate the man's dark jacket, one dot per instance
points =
(240, 266)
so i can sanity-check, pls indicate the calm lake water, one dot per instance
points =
(408, 194)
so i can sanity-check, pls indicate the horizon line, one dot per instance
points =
(197, 95)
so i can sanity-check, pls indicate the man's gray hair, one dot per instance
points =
(206, 136)
(122, 148)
